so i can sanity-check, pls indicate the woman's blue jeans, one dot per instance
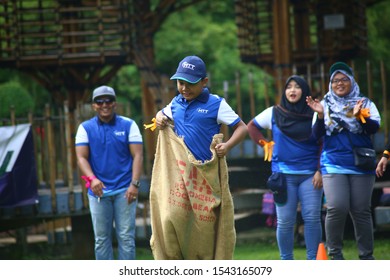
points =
(113, 213)
(299, 189)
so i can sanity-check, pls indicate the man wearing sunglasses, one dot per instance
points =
(110, 156)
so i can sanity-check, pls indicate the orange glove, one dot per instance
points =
(152, 126)
(268, 147)
(363, 113)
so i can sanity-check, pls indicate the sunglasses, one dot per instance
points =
(108, 101)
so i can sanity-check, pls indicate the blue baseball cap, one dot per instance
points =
(191, 69)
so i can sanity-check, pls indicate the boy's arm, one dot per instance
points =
(240, 130)
(239, 133)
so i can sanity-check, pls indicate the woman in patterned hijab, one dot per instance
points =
(347, 120)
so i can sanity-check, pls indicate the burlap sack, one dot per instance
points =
(192, 214)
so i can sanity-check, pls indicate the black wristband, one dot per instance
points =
(136, 183)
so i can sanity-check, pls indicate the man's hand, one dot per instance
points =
(131, 194)
(97, 187)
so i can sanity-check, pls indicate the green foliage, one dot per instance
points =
(378, 31)
(128, 90)
(378, 27)
(208, 30)
(201, 30)
(13, 94)
(6, 74)
(38, 93)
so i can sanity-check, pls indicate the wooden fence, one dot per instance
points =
(371, 77)
(54, 149)
(63, 206)
(54, 134)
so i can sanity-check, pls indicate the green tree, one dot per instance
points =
(37, 92)
(12, 94)
(208, 30)
(378, 27)
(128, 90)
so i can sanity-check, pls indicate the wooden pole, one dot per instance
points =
(369, 80)
(309, 77)
(282, 44)
(355, 71)
(69, 150)
(384, 96)
(51, 158)
(252, 104)
(150, 109)
(12, 115)
(266, 95)
(31, 121)
(239, 103)
(267, 101)
(252, 95)
(61, 148)
(77, 120)
(238, 93)
(44, 160)
(323, 87)
(224, 128)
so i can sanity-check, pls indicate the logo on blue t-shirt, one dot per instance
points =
(203, 111)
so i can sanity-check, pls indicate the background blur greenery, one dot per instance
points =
(207, 29)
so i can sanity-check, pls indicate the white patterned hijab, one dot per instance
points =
(338, 111)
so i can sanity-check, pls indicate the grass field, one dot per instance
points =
(260, 244)
(256, 244)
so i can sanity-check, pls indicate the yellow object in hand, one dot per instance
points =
(152, 126)
(268, 147)
(363, 113)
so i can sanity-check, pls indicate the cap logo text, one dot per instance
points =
(188, 65)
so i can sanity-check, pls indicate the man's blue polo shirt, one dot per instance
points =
(199, 120)
(109, 151)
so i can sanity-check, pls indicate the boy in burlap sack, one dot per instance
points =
(192, 209)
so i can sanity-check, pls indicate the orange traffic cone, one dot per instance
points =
(321, 253)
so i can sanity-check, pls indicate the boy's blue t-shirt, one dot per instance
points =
(199, 120)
